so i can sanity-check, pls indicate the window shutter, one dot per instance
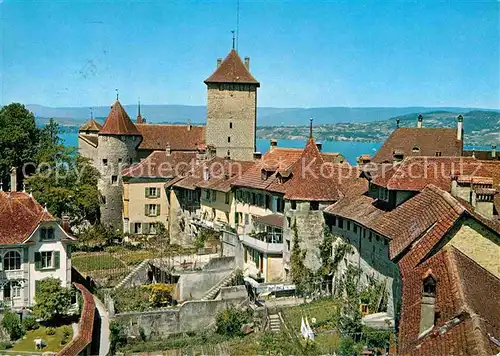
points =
(146, 192)
(57, 259)
(146, 210)
(68, 251)
(37, 285)
(236, 218)
(158, 192)
(145, 228)
(158, 209)
(26, 252)
(38, 261)
(43, 233)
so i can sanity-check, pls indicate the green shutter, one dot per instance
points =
(146, 210)
(37, 286)
(68, 251)
(43, 234)
(57, 259)
(158, 192)
(146, 192)
(158, 209)
(236, 218)
(145, 228)
(38, 261)
(26, 252)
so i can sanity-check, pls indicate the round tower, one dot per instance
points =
(118, 142)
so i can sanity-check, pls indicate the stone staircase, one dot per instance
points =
(132, 274)
(224, 282)
(274, 323)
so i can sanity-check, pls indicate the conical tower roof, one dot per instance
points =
(118, 122)
(232, 70)
(91, 125)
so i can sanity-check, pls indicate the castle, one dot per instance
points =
(119, 142)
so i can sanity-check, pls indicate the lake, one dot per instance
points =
(350, 150)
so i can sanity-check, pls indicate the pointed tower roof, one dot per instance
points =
(312, 178)
(232, 70)
(139, 119)
(91, 125)
(118, 122)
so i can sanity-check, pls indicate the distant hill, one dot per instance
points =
(480, 127)
(265, 116)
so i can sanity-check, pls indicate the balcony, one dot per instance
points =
(12, 274)
(266, 245)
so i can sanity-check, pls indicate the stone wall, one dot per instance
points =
(221, 263)
(231, 246)
(194, 285)
(87, 150)
(310, 228)
(119, 151)
(180, 214)
(190, 316)
(232, 112)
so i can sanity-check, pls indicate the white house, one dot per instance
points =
(33, 246)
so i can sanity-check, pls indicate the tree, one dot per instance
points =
(51, 299)
(65, 181)
(300, 274)
(96, 237)
(19, 140)
(12, 323)
(230, 321)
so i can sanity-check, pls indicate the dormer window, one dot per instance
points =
(416, 149)
(438, 154)
(47, 233)
(427, 305)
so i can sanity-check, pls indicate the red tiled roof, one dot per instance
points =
(427, 140)
(118, 122)
(232, 70)
(221, 174)
(483, 155)
(271, 220)
(91, 125)
(414, 173)
(179, 137)
(20, 215)
(86, 325)
(159, 164)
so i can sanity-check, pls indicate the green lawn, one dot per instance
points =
(92, 262)
(53, 342)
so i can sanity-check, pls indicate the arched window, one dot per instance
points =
(429, 287)
(12, 290)
(12, 261)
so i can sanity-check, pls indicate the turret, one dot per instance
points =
(118, 140)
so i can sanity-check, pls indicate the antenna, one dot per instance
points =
(233, 37)
(139, 106)
(91, 113)
(237, 24)
(117, 94)
(311, 127)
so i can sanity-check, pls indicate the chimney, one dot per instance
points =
(206, 175)
(219, 61)
(273, 144)
(247, 63)
(257, 156)
(319, 145)
(460, 127)
(419, 122)
(13, 179)
(167, 149)
(494, 151)
(397, 123)
(65, 223)
(189, 125)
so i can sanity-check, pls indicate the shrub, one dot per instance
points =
(117, 336)
(66, 333)
(4, 345)
(50, 331)
(161, 294)
(52, 300)
(12, 323)
(30, 323)
(229, 322)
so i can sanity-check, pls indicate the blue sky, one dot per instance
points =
(304, 53)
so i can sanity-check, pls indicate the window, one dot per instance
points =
(438, 154)
(153, 209)
(348, 226)
(207, 194)
(47, 261)
(427, 307)
(47, 233)
(228, 154)
(280, 205)
(152, 192)
(370, 237)
(226, 198)
(383, 194)
(341, 223)
(430, 287)
(293, 205)
(314, 205)
(153, 228)
(119, 160)
(230, 125)
(105, 162)
(416, 149)
(288, 245)
(246, 219)
(137, 228)
(355, 227)
(114, 179)
(228, 139)
(12, 290)
(289, 220)
(12, 261)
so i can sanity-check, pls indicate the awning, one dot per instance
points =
(275, 220)
(251, 281)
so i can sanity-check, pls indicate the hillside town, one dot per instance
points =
(198, 236)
